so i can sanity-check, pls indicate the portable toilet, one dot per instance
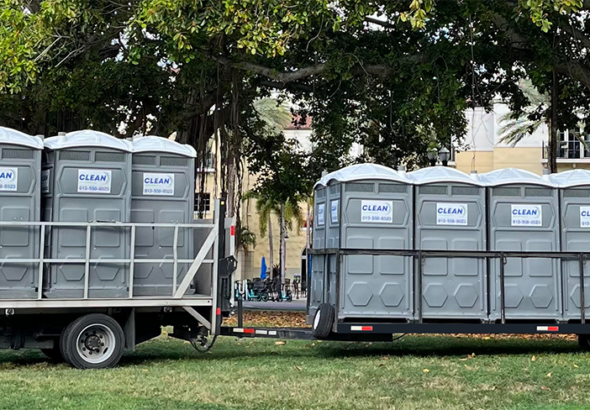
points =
(89, 176)
(574, 199)
(450, 215)
(20, 201)
(523, 211)
(163, 191)
(365, 206)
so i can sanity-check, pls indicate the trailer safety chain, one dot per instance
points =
(398, 338)
(200, 343)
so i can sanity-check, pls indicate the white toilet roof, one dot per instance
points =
(438, 174)
(88, 138)
(14, 137)
(575, 177)
(151, 143)
(364, 172)
(510, 176)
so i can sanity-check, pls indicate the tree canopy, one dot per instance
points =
(384, 74)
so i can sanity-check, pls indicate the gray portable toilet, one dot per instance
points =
(574, 189)
(20, 201)
(523, 211)
(163, 191)
(89, 176)
(315, 293)
(450, 215)
(366, 206)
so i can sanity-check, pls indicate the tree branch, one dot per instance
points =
(281, 77)
(576, 71)
(574, 33)
(381, 23)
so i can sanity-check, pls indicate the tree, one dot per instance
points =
(289, 215)
(373, 73)
(516, 129)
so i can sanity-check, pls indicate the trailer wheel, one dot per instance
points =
(322, 321)
(584, 342)
(92, 341)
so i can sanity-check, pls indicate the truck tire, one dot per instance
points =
(323, 321)
(94, 341)
(584, 342)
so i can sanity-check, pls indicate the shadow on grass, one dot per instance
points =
(410, 346)
(228, 349)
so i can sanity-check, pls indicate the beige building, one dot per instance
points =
(482, 150)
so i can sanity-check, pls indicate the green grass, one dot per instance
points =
(257, 374)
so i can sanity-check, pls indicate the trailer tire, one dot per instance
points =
(94, 341)
(584, 342)
(323, 321)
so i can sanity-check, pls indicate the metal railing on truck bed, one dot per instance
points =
(178, 296)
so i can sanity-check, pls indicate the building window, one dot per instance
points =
(206, 198)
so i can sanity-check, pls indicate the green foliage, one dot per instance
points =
(394, 77)
(247, 238)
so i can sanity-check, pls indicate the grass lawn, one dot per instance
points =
(416, 372)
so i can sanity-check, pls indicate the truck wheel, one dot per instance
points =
(584, 342)
(323, 321)
(92, 341)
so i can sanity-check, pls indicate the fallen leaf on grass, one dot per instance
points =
(145, 370)
(280, 343)
(549, 374)
(576, 366)
(545, 388)
(533, 358)
(381, 365)
(298, 368)
(426, 371)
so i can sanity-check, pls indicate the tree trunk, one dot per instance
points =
(282, 246)
(553, 137)
(270, 245)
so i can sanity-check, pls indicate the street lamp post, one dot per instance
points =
(432, 157)
(444, 155)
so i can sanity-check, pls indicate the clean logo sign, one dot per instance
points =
(321, 214)
(526, 215)
(377, 211)
(334, 211)
(8, 179)
(96, 181)
(451, 214)
(585, 217)
(158, 184)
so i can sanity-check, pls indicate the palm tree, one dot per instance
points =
(515, 130)
(289, 215)
(276, 115)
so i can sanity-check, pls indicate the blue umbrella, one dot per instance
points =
(263, 268)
